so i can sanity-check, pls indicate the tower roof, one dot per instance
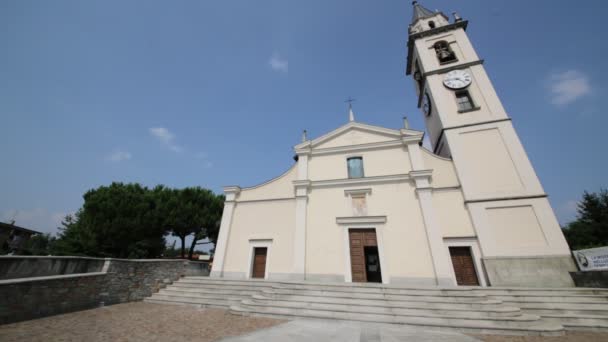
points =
(420, 12)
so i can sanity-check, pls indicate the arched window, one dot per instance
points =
(432, 24)
(444, 52)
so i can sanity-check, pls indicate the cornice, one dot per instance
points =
(396, 136)
(436, 144)
(235, 189)
(405, 140)
(350, 192)
(353, 148)
(421, 173)
(453, 67)
(266, 200)
(304, 183)
(361, 220)
(301, 188)
(360, 181)
(511, 198)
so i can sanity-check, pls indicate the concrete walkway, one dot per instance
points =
(304, 330)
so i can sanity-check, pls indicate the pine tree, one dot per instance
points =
(590, 229)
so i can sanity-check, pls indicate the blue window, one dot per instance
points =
(355, 167)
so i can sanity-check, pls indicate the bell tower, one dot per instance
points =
(515, 225)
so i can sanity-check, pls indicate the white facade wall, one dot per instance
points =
(485, 196)
(268, 213)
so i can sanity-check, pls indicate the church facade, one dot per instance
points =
(370, 204)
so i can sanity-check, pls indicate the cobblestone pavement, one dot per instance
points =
(304, 330)
(135, 322)
(139, 322)
(573, 336)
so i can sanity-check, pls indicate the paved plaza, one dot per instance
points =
(139, 322)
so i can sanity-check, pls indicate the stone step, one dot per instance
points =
(229, 281)
(551, 299)
(195, 289)
(474, 309)
(578, 321)
(542, 292)
(570, 312)
(208, 280)
(188, 283)
(523, 325)
(371, 287)
(197, 301)
(378, 290)
(388, 308)
(171, 292)
(557, 305)
(381, 296)
(481, 305)
(170, 302)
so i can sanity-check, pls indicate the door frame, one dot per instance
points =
(473, 244)
(257, 243)
(348, 275)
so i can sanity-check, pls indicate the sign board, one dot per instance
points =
(592, 259)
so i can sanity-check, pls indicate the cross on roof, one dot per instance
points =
(351, 115)
(350, 101)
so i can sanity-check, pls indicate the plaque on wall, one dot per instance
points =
(592, 259)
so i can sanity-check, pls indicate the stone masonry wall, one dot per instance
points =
(44, 296)
(129, 281)
(13, 267)
(119, 281)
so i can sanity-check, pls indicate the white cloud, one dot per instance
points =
(277, 63)
(38, 219)
(118, 156)
(166, 138)
(568, 86)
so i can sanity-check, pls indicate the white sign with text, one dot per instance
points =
(592, 259)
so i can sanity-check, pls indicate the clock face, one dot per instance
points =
(457, 79)
(426, 104)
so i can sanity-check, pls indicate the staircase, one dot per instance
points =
(516, 311)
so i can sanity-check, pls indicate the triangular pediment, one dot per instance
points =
(355, 133)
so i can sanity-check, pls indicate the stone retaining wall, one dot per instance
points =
(13, 267)
(118, 281)
(590, 278)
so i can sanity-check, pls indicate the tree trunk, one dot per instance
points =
(192, 247)
(183, 238)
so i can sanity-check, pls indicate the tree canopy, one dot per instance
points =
(194, 211)
(131, 221)
(590, 229)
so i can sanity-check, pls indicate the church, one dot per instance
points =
(369, 204)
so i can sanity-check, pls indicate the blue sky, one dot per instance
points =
(214, 93)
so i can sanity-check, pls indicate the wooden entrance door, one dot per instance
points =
(464, 268)
(360, 239)
(259, 262)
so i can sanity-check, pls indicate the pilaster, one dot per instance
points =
(231, 193)
(422, 180)
(301, 186)
(299, 243)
